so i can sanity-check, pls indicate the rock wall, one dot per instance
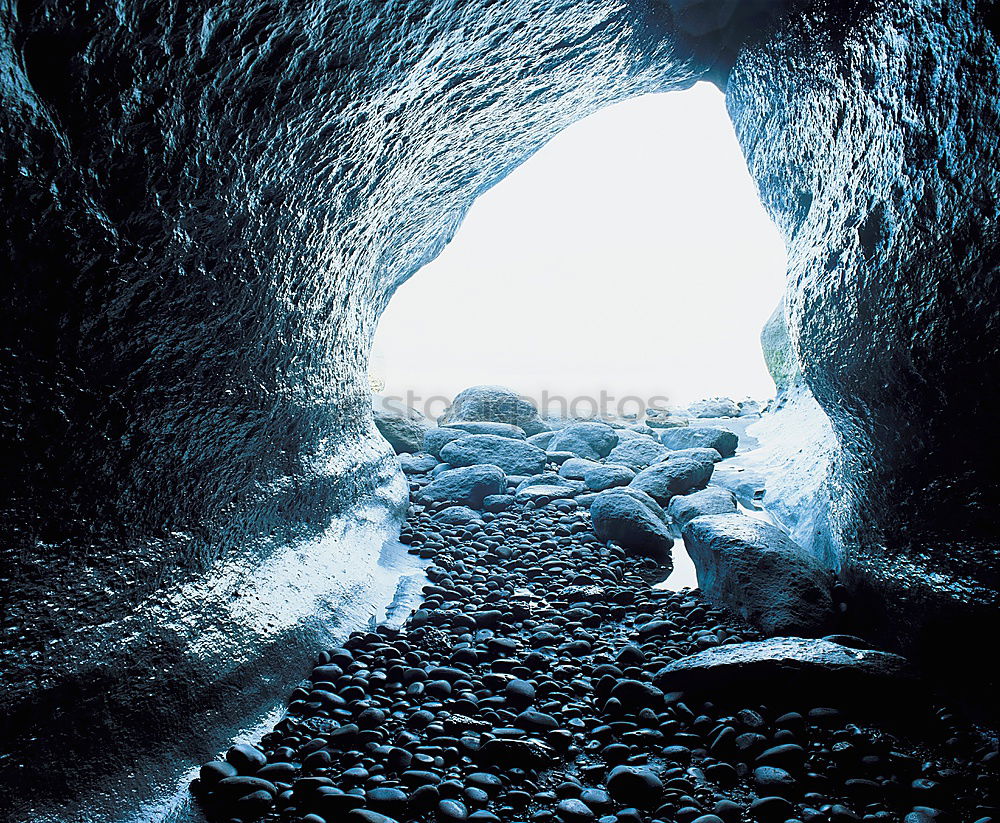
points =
(872, 130)
(206, 206)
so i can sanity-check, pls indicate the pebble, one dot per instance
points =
(521, 691)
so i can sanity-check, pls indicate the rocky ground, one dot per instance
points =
(545, 678)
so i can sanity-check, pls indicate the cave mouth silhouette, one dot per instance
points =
(627, 263)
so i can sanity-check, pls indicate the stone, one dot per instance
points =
(493, 404)
(637, 452)
(671, 477)
(606, 477)
(457, 515)
(547, 492)
(498, 502)
(487, 427)
(714, 407)
(576, 468)
(466, 486)
(417, 463)
(713, 500)
(436, 437)
(695, 453)
(542, 439)
(513, 456)
(752, 568)
(635, 786)
(403, 428)
(722, 440)
(590, 440)
(631, 523)
(789, 666)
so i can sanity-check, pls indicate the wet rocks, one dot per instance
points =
(632, 522)
(485, 427)
(754, 569)
(591, 440)
(513, 456)
(714, 407)
(466, 486)
(672, 477)
(722, 440)
(543, 679)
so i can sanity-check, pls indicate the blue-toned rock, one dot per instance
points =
(672, 477)
(637, 452)
(590, 440)
(513, 456)
(466, 486)
(632, 523)
(686, 437)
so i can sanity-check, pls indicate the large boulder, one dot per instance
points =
(606, 477)
(465, 486)
(637, 452)
(513, 456)
(493, 404)
(686, 507)
(590, 440)
(696, 452)
(754, 569)
(635, 524)
(672, 477)
(790, 666)
(723, 441)
(403, 428)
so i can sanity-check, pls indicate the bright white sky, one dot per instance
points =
(629, 255)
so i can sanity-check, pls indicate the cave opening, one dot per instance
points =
(628, 264)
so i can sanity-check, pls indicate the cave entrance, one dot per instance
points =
(629, 262)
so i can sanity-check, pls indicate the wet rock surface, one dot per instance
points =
(544, 679)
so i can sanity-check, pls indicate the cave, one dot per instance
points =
(207, 206)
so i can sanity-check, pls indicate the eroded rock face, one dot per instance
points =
(873, 134)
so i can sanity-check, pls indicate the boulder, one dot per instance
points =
(606, 477)
(748, 484)
(754, 569)
(544, 492)
(789, 666)
(465, 486)
(498, 502)
(436, 437)
(457, 515)
(486, 427)
(577, 467)
(664, 419)
(686, 507)
(637, 452)
(493, 404)
(672, 477)
(513, 456)
(417, 463)
(542, 439)
(714, 407)
(631, 523)
(723, 441)
(589, 440)
(403, 428)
